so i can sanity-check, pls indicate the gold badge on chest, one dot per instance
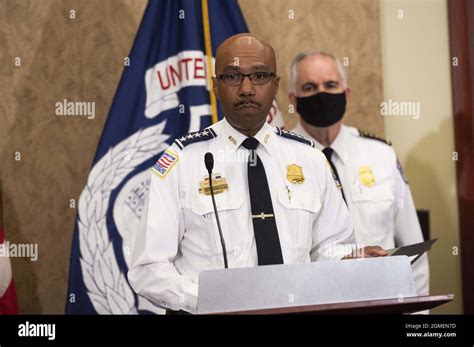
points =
(219, 185)
(294, 174)
(366, 176)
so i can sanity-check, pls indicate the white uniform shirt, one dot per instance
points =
(178, 237)
(383, 213)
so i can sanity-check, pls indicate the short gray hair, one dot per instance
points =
(300, 56)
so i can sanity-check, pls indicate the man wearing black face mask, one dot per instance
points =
(374, 186)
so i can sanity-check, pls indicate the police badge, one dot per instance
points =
(366, 176)
(294, 174)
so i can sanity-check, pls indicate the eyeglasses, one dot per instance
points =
(235, 79)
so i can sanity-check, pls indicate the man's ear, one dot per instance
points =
(347, 91)
(276, 85)
(214, 87)
(292, 98)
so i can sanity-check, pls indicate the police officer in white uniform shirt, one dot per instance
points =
(276, 197)
(373, 183)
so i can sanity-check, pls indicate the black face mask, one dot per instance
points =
(322, 109)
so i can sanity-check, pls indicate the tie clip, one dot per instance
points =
(262, 215)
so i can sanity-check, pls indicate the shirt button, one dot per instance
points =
(187, 307)
(163, 303)
(237, 250)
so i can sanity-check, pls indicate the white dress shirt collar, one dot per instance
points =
(338, 145)
(234, 138)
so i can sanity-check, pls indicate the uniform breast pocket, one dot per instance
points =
(228, 209)
(302, 204)
(375, 208)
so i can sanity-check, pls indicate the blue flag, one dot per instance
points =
(164, 93)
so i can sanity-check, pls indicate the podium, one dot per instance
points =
(382, 285)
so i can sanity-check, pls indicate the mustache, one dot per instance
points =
(247, 101)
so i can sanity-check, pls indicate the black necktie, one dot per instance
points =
(328, 151)
(264, 225)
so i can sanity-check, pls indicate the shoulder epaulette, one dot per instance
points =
(294, 136)
(196, 136)
(368, 135)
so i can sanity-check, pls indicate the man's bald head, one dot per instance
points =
(228, 51)
(250, 60)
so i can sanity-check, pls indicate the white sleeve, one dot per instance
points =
(407, 231)
(333, 232)
(152, 274)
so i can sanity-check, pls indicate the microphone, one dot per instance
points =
(209, 162)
